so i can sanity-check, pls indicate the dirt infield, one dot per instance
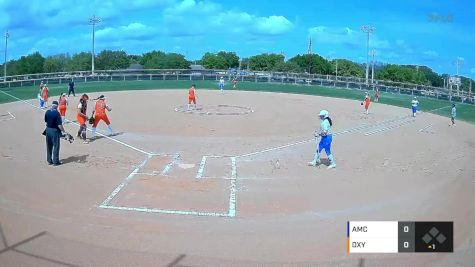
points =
(177, 188)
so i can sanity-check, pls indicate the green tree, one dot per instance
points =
(160, 60)
(403, 74)
(312, 63)
(287, 67)
(265, 62)
(111, 60)
(232, 60)
(134, 59)
(81, 61)
(56, 63)
(32, 63)
(12, 68)
(213, 61)
(347, 68)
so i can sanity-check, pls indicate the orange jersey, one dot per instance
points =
(63, 101)
(100, 107)
(367, 100)
(44, 93)
(191, 93)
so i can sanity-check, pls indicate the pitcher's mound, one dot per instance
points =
(215, 110)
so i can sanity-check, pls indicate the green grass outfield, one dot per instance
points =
(464, 111)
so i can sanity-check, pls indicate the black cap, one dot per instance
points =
(55, 103)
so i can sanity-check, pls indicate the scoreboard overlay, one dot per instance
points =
(399, 236)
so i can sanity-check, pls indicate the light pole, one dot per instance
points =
(458, 63)
(336, 69)
(93, 21)
(5, 61)
(368, 30)
(373, 53)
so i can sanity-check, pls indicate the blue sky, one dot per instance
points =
(425, 32)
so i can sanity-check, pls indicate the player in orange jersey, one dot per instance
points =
(82, 117)
(192, 97)
(99, 114)
(44, 95)
(366, 102)
(63, 104)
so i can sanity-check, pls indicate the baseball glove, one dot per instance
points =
(68, 137)
(361, 103)
(91, 120)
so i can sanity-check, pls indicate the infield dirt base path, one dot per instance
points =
(390, 167)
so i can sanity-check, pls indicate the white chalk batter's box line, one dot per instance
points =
(6, 117)
(232, 193)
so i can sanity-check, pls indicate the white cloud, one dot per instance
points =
(191, 18)
(330, 35)
(472, 71)
(135, 30)
(273, 25)
(28, 14)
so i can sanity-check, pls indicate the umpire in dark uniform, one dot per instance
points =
(54, 130)
(71, 88)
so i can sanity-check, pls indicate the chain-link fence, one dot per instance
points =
(249, 76)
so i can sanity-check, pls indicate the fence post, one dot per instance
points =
(111, 77)
(177, 75)
(150, 77)
(164, 77)
(85, 79)
(124, 77)
(190, 77)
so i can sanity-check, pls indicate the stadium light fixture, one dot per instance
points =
(368, 30)
(93, 21)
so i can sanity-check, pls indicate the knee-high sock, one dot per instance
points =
(93, 132)
(332, 160)
(110, 129)
(316, 157)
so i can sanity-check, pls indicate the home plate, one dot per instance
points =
(186, 166)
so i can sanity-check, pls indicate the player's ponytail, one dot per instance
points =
(330, 121)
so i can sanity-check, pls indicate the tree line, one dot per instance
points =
(306, 63)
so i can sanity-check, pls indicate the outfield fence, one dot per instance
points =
(248, 76)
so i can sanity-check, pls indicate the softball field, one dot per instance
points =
(229, 185)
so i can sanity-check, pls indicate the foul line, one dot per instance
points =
(103, 135)
(355, 129)
(351, 130)
(389, 127)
